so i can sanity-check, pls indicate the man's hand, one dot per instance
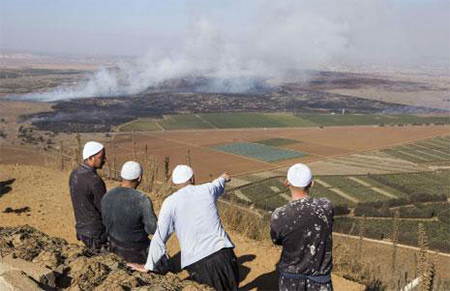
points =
(137, 267)
(226, 176)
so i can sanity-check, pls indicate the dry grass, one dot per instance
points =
(376, 266)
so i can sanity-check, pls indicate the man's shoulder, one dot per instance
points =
(280, 211)
(325, 203)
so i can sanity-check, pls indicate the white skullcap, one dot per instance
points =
(299, 175)
(91, 148)
(182, 174)
(131, 170)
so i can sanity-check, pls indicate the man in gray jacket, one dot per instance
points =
(128, 216)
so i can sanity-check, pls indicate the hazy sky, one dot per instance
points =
(404, 29)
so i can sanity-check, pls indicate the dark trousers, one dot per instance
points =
(130, 254)
(287, 284)
(219, 270)
(95, 244)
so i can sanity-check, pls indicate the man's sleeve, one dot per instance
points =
(275, 228)
(157, 256)
(98, 189)
(148, 216)
(217, 186)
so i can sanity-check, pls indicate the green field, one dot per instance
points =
(258, 151)
(438, 232)
(400, 185)
(277, 120)
(262, 194)
(276, 142)
(190, 121)
(141, 124)
(434, 183)
(318, 191)
(370, 119)
(424, 151)
(258, 120)
(354, 189)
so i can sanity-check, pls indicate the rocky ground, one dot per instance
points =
(60, 265)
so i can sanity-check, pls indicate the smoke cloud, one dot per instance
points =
(277, 41)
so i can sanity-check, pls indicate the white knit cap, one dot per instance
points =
(91, 148)
(131, 170)
(299, 175)
(182, 174)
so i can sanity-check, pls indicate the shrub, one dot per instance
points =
(341, 209)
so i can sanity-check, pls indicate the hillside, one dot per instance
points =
(39, 197)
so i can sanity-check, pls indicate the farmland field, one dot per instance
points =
(275, 120)
(141, 124)
(275, 142)
(350, 190)
(183, 122)
(424, 151)
(369, 119)
(438, 232)
(258, 151)
(435, 183)
(249, 120)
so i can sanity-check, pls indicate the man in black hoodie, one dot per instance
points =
(87, 190)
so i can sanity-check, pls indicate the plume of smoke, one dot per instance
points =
(294, 36)
(281, 41)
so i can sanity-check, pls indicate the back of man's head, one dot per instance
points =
(182, 174)
(299, 176)
(131, 171)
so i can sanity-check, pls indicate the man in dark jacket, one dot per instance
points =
(304, 228)
(129, 217)
(87, 190)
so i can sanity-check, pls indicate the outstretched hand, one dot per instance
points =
(226, 176)
(137, 267)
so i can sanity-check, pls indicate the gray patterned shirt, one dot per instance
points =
(304, 228)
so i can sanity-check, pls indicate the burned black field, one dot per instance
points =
(192, 96)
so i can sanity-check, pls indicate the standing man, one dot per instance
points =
(128, 216)
(87, 190)
(304, 228)
(191, 212)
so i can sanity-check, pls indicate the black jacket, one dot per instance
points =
(87, 190)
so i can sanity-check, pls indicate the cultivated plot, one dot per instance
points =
(258, 151)
(424, 151)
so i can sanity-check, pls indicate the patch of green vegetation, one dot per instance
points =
(278, 142)
(258, 151)
(402, 155)
(429, 150)
(257, 120)
(318, 191)
(424, 210)
(434, 183)
(141, 124)
(260, 191)
(371, 119)
(352, 188)
(271, 203)
(382, 186)
(438, 233)
(190, 121)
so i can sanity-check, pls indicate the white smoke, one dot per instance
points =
(281, 39)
